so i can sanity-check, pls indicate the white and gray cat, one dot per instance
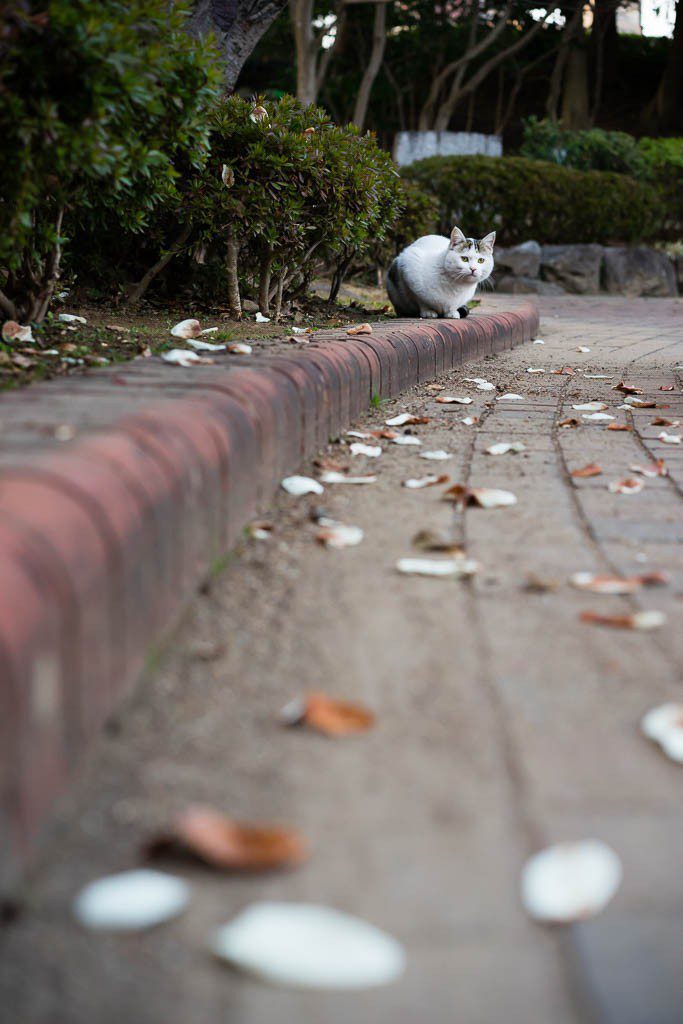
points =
(437, 276)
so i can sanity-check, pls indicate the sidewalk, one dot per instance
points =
(504, 723)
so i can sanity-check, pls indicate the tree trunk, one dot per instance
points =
(306, 44)
(379, 39)
(134, 292)
(237, 25)
(663, 114)
(575, 107)
(264, 283)
(234, 300)
(569, 33)
(604, 42)
(40, 302)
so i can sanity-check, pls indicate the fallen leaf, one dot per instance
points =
(12, 332)
(571, 421)
(481, 383)
(71, 318)
(327, 715)
(655, 469)
(357, 433)
(582, 348)
(209, 330)
(666, 387)
(638, 620)
(597, 417)
(629, 485)
(360, 329)
(24, 363)
(453, 400)
(118, 329)
(302, 330)
(260, 529)
(469, 421)
(205, 346)
(300, 485)
(437, 540)
(590, 407)
(604, 583)
(406, 418)
(639, 403)
(182, 357)
(482, 497)
(568, 370)
(453, 568)
(598, 376)
(372, 451)
(308, 946)
(434, 387)
(227, 176)
(437, 456)
(627, 389)
(338, 535)
(503, 447)
(510, 396)
(664, 725)
(425, 481)
(406, 439)
(239, 348)
(340, 478)
(131, 901)
(662, 421)
(260, 318)
(538, 341)
(669, 438)
(384, 433)
(619, 426)
(535, 369)
(187, 329)
(326, 464)
(571, 881)
(539, 585)
(592, 469)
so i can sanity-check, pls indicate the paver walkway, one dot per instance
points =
(503, 724)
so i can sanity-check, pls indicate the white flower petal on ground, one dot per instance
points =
(454, 568)
(181, 357)
(482, 383)
(602, 583)
(131, 901)
(596, 417)
(338, 535)
(503, 447)
(583, 348)
(71, 318)
(300, 485)
(650, 619)
(598, 376)
(371, 450)
(204, 346)
(301, 330)
(307, 945)
(331, 477)
(187, 329)
(631, 485)
(538, 341)
(669, 438)
(535, 369)
(469, 421)
(261, 319)
(453, 400)
(570, 881)
(493, 497)
(417, 483)
(14, 332)
(510, 396)
(403, 418)
(439, 455)
(209, 330)
(357, 433)
(239, 348)
(664, 725)
(590, 407)
(405, 439)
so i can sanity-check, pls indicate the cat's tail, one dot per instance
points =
(396, 292)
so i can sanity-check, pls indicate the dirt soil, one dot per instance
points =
(503, 723)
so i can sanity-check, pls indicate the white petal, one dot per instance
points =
(598, 376)
(309, 946)
(597, 417)
(204, 346)
(181, 357)
(570, 881)
(493, 497)
(658, 722)
(331, 477)
(71, 318)
(583, 348)
(453, 400)
(669, 438)
(239, 348)
(632, 486)
(131, 901)
(398, 421)
(453, 567)
(535, 369)
(300, 485)
(598, 583)
(14, 332)
(648, 619)
(510, 396)
(261, 319)
(301, 330)
(338, 535)
(210, 330)
(502, 448)
(357, 433)
(469, 420)
(538, 341)
(417, 483)
(406, 439)
(438, 455)
(186, 329)
(590, 407)
(482, 384)
(371, 450)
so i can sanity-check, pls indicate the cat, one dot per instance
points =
(437, 276)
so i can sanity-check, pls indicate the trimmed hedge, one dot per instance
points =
(521, 199)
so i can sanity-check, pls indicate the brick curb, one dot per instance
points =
(102, 542)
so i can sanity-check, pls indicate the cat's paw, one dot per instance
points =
(463, 311)
(452, 314)
(428, 314)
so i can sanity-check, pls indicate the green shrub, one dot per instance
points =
(664, 163)
(285, 190)
(590, 150)
(523, 199)
(99, 99)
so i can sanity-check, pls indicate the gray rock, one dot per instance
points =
(520, 260)
(639, 271)
(248, 306)
(576, 268)
(527, 286)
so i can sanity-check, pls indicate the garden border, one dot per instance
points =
(104, 541)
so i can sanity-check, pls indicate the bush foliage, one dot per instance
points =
(99, 100)
(522, 199)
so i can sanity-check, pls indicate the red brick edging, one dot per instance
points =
(104, 540)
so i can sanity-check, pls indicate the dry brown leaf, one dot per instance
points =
(618, 426)
(604, 583)
(230, 845)
(405, 419)
(328, 465)
(638, 620)
(592, 469)
(540, 585)
(385, 433)
(654, 469)
(627, 389)
(629, 485)
(569, 370)
(571, 421)
(328, 715)
(360, 329)
(641, 403)
(482, 497)
(437, 540)
(662, 421)
(435, 387)
(666, 387)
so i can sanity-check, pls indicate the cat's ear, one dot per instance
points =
(487, 242)
(457, 237)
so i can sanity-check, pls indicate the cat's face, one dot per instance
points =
(470, 259)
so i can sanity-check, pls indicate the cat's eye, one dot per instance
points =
(480, 260)
(465, 259)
